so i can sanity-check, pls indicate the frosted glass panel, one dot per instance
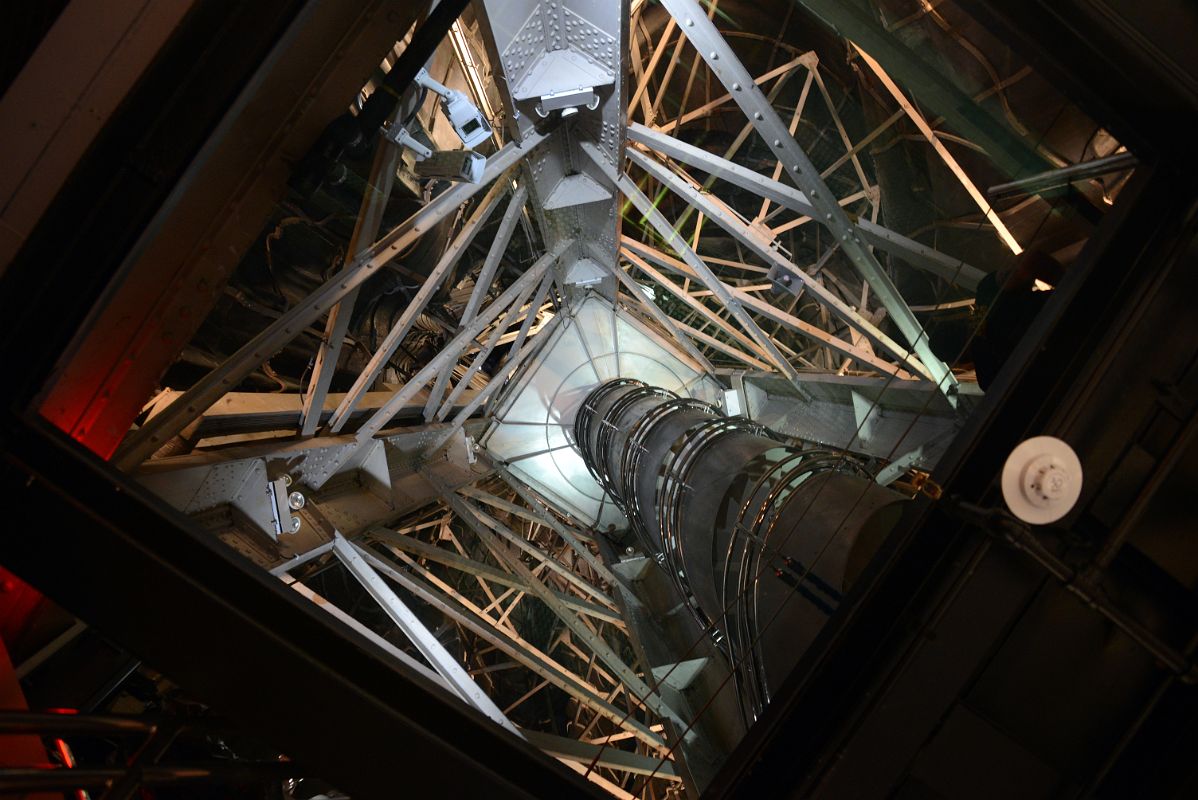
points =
(532, 429)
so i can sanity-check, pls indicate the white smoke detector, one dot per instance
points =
(1041, 480)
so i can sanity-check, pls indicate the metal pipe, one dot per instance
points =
(15, 722)
(1018, 535)
(41, 780)
(1056, 178)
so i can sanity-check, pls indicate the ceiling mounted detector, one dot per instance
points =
(1041, 480)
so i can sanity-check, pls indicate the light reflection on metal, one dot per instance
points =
(919, 255)
(725, 65)
(974, 192)
(461, 49)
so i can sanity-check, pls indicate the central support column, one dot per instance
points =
(761, 538)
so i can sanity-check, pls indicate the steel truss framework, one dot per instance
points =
(811, 201)
(97, 520)
(496, 548)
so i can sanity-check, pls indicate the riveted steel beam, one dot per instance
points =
(499, 379)
(954, 270)
(723, 63)
(354, 558)
(370, 219)
(521, 651)
(415, 307)
(206, 391)
(486, 528)
(481, 356)
(443, 360)
(704, 273)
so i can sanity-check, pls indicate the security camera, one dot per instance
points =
(454, 165)
(467, 121)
